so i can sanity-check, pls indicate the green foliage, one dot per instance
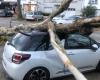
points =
(3, 39)
(89, 11)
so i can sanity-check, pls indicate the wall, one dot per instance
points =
(75, 7)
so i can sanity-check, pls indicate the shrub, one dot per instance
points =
(89, 11)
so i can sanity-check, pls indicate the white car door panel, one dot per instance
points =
(80, 52)
(57, 64)
(83, 58)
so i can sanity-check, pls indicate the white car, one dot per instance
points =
(30, 55)
(61, 19)
(34, 15)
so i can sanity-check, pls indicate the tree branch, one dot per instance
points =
(62, 53)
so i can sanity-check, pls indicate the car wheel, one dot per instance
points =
(39, 73)
(98, 67)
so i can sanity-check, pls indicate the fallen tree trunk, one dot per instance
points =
(62, 53)
(81, 25)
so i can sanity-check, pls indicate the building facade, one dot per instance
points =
(48, 6)
(75, 8)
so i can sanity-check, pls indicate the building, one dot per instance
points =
(75, 8)
(7, 4)
(48, 6)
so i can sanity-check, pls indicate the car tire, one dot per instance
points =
(98, 67)
(39, 73)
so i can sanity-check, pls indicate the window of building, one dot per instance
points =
(52, 1)
(71, 9)
(93, 1)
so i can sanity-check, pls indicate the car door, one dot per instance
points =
(78, 48)
(51, 56)
(57, 64)
(37, 15)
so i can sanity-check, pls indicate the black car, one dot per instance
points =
(6, 13)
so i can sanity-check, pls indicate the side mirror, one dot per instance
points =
(94, 47)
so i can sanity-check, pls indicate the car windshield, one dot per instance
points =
(73, 17)
(30, 13)
(27, 43)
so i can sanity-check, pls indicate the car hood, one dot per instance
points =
(57, 18)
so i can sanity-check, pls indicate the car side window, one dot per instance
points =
(35, 13)
(77, 41)
(44, 45)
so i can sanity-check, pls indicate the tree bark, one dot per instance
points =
(62, 54)
(66, 28)
(19, 9)
(64, 6)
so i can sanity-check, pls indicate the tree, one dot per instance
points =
(19, 9)
(89, 11)
(51, 27)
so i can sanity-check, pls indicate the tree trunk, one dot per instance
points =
(19, 9)
(64, 5)
(62, 54)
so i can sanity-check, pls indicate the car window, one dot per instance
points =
(35, 43)
(42, 45)
(76, 41)
(30, 13)
(35, 13)
(39, 13)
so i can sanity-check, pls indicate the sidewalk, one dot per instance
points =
(13, 21)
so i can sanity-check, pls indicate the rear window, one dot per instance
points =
(27, 43)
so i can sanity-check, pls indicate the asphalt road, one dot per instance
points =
(12, 21)
(3, 76)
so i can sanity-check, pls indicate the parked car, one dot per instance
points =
(36, 15)
(30, 55)
(6, 13)
(63, 20)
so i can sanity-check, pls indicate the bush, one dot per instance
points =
(89, 11)
(3, 39)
